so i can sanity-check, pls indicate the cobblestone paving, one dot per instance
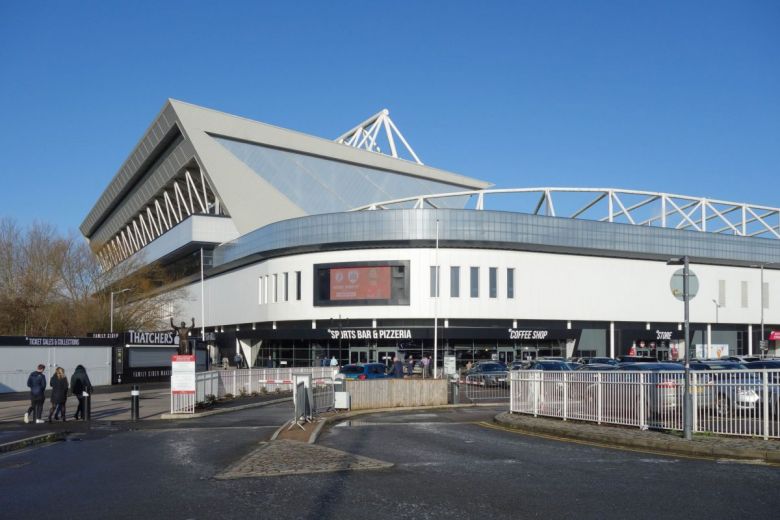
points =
(284, 457)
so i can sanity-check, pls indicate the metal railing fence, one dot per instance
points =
(732, 402)
(217, 384)
(323, 394)
(494, 387)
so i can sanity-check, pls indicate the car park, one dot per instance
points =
(363, 371)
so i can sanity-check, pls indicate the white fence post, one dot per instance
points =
(642, 418)
(565, 395)
(598, 397)
(765, 402)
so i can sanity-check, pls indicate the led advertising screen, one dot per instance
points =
(360, 283)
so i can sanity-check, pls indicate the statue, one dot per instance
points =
(184, 335)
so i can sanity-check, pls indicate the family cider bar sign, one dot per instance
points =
(360, 283)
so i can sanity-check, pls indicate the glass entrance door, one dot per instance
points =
(358, 355)
(385, 356)
(506, 354)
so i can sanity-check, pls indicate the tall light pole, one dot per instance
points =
(761, 343)
(717, 306)
(112, 307)
(436, 307)
(687, 401)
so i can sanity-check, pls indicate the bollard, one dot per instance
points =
(134, 398)
(455, 391)
(86, 413)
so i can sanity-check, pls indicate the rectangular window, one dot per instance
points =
(493, 282)
(744, 295)
(475, 282)
(286, 286)
(455, 281)
(298, 285)
(260, 290)
(275, 287)
(434, 282)
(765, 295)
(722, 293)
(510, 282)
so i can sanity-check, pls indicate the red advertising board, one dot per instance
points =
(360, 283)
(774, 335)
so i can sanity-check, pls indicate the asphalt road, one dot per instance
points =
(447, 465)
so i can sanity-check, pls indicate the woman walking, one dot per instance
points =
(59, 394)
(79, 383)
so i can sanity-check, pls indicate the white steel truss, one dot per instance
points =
(186, 195)
(367, 134)
(639, 208)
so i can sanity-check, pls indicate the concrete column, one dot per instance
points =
(611, 339)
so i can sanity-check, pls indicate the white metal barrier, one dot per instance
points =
(218, 384)
(732, 402)
(324, 395)
(493, 387)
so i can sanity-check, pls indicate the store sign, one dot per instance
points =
(663, 334)
(528, 334)
(53, 342)
(774, 336)
(370, 333)
(152, 338)
(183, 374)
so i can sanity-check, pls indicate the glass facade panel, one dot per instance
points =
(493, 282)
(298, 285)
(455, 281)
(434, 282)
(319, 185)
(744, 294)
(475, 282)
(510, 283)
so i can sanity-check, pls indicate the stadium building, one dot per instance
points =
(298, 248)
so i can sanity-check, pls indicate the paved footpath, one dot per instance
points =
(707, 446)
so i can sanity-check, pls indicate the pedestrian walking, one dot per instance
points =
(426, 364)
(398, 368)
(37, 384)
(237, 360)
(269, 363)
(410, 366)
(79, 383)
(334, 362)
(59, 394)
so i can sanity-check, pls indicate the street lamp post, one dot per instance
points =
(687, 401)
(717, 307)
(436, 308)
(111, 317)
(761, 343)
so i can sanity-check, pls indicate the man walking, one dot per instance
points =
(37, 383)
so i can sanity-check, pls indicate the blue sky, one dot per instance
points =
(680, 97)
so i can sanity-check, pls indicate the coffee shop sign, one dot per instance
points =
(527, 334)
(370, 333)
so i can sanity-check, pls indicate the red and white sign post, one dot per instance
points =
(183, 384)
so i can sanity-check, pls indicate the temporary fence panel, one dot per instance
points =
(493, 387)
(391, 393)
(324, 395)
(743, 402)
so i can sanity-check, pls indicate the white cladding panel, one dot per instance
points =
(547, 287)
(16, 364)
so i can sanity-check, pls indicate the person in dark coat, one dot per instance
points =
(59, 394)
(37, 383)
(398, 368)
(79, 383)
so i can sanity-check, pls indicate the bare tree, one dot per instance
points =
(54, 285)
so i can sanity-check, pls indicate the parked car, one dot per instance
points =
(774, 383)
(597, 367)
(728, 389)
(742, 359)
(598, 360)
(549, 365)
(488, 374)
(363, 371)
